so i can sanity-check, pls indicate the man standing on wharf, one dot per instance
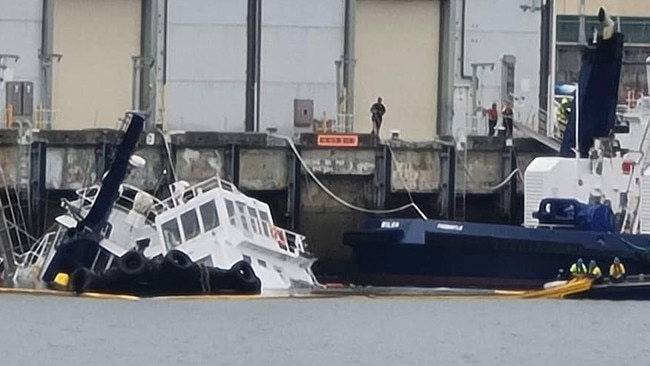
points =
(377, 110)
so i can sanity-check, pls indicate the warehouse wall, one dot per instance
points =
(92, 83)
(397, 58)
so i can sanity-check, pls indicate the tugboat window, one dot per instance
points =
(106, 230)
(209, 215)
(190, 223)
(231, 212)
(171, 233)
(265, 223)
(226, 186)
(254, 221)
(242, 212)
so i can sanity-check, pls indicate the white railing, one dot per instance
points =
(186, 194)
(36, 255)
(41, 119)
(45, 118)
(290, 242)
(86, 197)
(343, 123)
(31, 264)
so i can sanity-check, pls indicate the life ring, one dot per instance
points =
(80, 280)
(132, 263)
(178, 260)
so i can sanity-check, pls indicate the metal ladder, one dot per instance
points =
(14, 238)
(24, 166)
(23, 178)
(6, 242)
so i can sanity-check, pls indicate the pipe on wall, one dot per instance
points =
(252, 64)
(446, 66)
(349, 59)
(47, 41)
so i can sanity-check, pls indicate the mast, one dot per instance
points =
(550, 106)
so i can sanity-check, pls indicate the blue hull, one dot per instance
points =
(412, 252)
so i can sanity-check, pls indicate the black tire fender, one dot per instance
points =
(244, 271)
(132, 263)
(80, 280)
(178, 260)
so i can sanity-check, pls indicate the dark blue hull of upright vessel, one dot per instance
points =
(416, 252)
(413, 252)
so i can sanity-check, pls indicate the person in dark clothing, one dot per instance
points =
(492, 119)
(377, 111)
(507, 119)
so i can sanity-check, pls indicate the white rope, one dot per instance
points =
(406, 188)
(167, 142)
(335, 197)
(505, 181)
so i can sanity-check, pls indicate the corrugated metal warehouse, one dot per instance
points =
(319, 60)
(20, 41)
(206, 69)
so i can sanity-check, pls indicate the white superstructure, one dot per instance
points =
(612, 174)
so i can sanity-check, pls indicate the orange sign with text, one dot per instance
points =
(338, 140)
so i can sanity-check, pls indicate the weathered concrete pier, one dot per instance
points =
(444, 181)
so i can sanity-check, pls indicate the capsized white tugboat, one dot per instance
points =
(115, 237)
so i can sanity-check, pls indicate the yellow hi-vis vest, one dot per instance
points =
(578, 268)
(596, 272)
(616, 270)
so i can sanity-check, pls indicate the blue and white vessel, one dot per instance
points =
(592, 201)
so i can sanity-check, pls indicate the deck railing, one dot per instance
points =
(86, 197)
(289, 241)
(186, 194)
(35, 256)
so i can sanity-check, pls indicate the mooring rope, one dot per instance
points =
(338, 199)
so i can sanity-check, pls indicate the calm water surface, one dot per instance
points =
(342, 331)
